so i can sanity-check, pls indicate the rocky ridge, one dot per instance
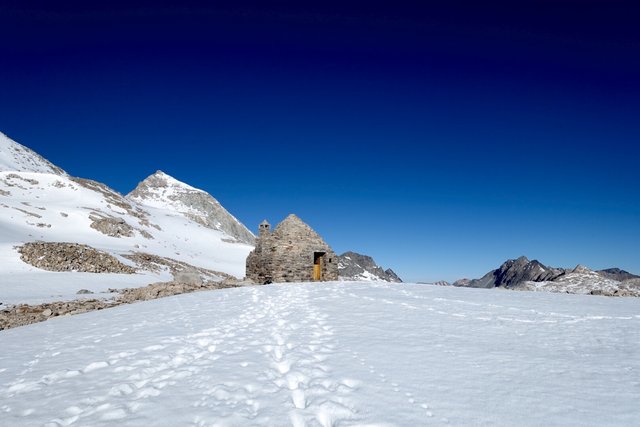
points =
(353, 266)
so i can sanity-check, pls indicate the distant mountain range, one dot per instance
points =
(523, 274)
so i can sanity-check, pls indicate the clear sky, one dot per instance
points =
(441, 139)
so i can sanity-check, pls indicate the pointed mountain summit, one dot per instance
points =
(16, 157)
(162, 191)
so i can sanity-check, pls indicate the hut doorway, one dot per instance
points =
(317, 265)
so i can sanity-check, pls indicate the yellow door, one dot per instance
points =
(316, 272)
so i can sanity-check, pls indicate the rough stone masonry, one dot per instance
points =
(292, 253)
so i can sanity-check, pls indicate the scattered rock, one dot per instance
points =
(23, 314)
(26, 212)
(53, 256)
(18, 177)
(191, 277)
(84, 292)
(114, 227)
(155, 263)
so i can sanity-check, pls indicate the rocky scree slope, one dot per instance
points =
(165, 192)
(353, 266)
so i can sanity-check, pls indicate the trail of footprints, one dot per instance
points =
(298, 354)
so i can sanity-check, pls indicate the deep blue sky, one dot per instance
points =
(441, 139)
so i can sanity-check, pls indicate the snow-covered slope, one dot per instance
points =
(58, 208)
(333, 354)
(162, 191)
(17, 157)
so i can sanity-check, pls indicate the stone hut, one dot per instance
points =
(292, 253)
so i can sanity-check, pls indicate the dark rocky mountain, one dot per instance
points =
(512, 273)
(617, 274)
(357, 267)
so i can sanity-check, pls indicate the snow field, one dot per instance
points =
(328, 355)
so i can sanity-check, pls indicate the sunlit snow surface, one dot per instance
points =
(331, 354)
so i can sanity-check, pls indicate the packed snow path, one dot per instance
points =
(330, 354)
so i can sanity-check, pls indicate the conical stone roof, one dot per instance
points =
(294, 227)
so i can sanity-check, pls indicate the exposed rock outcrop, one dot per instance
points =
(114, 227)
(54, 256)
(353, 266)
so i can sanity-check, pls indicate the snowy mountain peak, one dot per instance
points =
(16, 157)
(163, 191)
(161, 180)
